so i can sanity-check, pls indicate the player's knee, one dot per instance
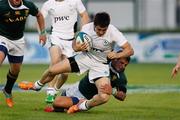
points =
(51, 72)
(104, 97)
(15, 71)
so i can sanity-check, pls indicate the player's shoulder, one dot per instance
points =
(48, 3)
(88, 28)
(28, 3)
(88, 25)
(75, 2)
(3, 3)
(112, 27)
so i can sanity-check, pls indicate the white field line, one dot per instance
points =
(131, 89)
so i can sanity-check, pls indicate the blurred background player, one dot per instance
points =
(13, 16)
(64, 16)
(176, 68)
(86, 90)
(95, 61)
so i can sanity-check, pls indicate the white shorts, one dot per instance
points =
(14, 48)
(95, 68)
(73, 91)
(65, 45)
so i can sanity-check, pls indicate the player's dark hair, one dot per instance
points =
(102, 19)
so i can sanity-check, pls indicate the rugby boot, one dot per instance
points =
(9, 99)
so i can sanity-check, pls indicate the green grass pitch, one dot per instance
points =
(140, 105)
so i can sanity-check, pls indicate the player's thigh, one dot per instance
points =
(55, 54)
(103, 96)
(63, 101)
(3, 48)
(2, 57)
(16, 54)
(98, 70)
(61, 67)
(102, 81)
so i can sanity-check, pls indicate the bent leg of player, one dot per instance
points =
(64, 102)
(101, 97)
(97, 99)
(61, 67)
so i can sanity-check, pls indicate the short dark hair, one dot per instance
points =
(102, 19)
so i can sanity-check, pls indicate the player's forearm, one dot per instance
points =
(41, 23)
(84, 18)
(127, 51)
(178, 62)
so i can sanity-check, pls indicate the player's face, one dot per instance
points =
(100, 31)
(119, 64)
(15, 3)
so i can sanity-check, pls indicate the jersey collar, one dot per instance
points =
(17, 8)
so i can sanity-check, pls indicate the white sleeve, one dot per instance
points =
(117, 36)
(44, 9)
(85, 28)
(80, 6)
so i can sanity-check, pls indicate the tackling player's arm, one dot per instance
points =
(127, 51)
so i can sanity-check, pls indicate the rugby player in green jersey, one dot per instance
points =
(13, 16)
(72, 97)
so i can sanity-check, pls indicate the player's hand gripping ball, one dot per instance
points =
(84, 37)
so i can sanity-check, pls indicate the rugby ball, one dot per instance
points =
(84, 37)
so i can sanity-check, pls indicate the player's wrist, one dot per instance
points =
(43, 32)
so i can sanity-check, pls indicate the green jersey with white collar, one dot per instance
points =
(13, 19)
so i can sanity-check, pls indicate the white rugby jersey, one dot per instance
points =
(101, 46)
(63, 16)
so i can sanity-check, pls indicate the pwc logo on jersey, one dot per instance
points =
(61, 18)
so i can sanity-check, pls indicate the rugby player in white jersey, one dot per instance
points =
(64, 15)
(94, 61)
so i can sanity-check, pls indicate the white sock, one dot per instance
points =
(51, 91)
(57, 90)
(83, 106)
(38, 85)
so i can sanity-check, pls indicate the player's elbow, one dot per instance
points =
(131, 52)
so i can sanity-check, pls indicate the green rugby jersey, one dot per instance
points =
(12, 20)
(88, 90)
